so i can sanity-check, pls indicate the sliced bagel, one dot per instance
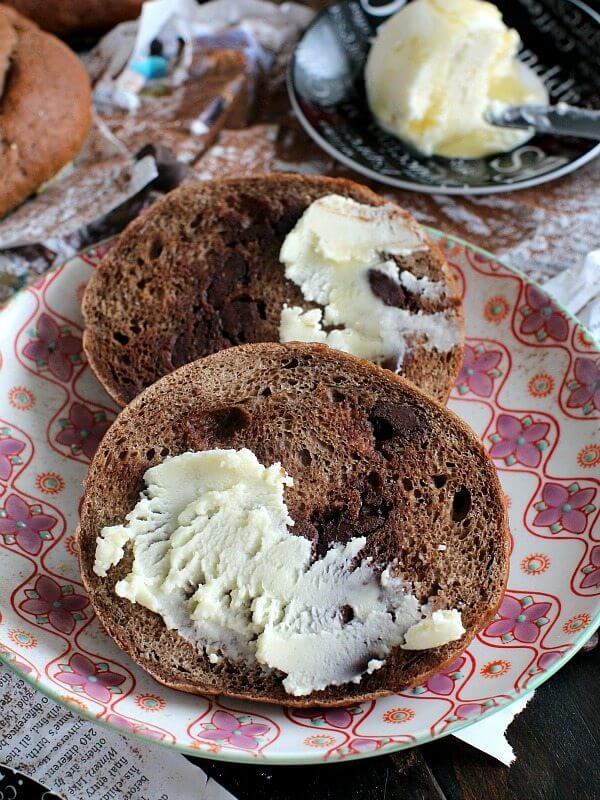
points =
(200, 271)
(369, 454)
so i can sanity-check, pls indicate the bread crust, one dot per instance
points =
(67, 17)
(45, 107)
(152, 306)
(197, 386)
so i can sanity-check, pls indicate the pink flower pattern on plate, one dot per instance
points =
(95, 680)
(225, 727)
(22, 666)
(564, 509)
(83, 430)
(362, 745)
(9, 453)
(54, 347)
(519, 440)
(586, 386)
(546, 660)
(478, 371)
(443, 682)
(25, 525)
(571, 590)
(138, 728)
(332, 717)
(55, 604)
(592, 570)
(468, 710)
(520, 620)
(542, 316)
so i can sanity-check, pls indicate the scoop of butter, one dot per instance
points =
(437, 66)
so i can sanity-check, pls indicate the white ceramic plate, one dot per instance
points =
(530, 388)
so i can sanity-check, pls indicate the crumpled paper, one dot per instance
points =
(76, 759)
(157, 51)
(100, 179)
(578, 290)
(489, 735)
(220, 54)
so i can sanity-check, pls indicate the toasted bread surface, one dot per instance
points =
(200, 272)
(370, 455)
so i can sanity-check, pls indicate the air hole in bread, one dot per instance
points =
(291, 363)
(142, 283)
(461, 504)
(305, 457)
(156, 248)
(439, 481)
(266, 392)
(336, 396)
(408, 484)
(229, 421)
(165, 452)
(150, 454)
(121, 338)
(374, 480)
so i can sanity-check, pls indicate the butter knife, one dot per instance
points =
(561, 119)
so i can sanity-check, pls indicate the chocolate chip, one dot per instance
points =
(229, 272)
(390, 419)
(241, 320)
(386, 289)
(284, 224)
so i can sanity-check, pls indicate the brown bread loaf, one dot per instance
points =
(68, 17)
(45, 107)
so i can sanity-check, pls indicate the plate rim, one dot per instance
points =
(463, 191)
(308, 759)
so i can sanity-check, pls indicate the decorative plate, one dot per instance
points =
(561, 41)
(528, 387)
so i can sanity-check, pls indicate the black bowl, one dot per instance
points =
(561, 42)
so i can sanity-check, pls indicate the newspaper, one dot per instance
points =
(75, 759)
